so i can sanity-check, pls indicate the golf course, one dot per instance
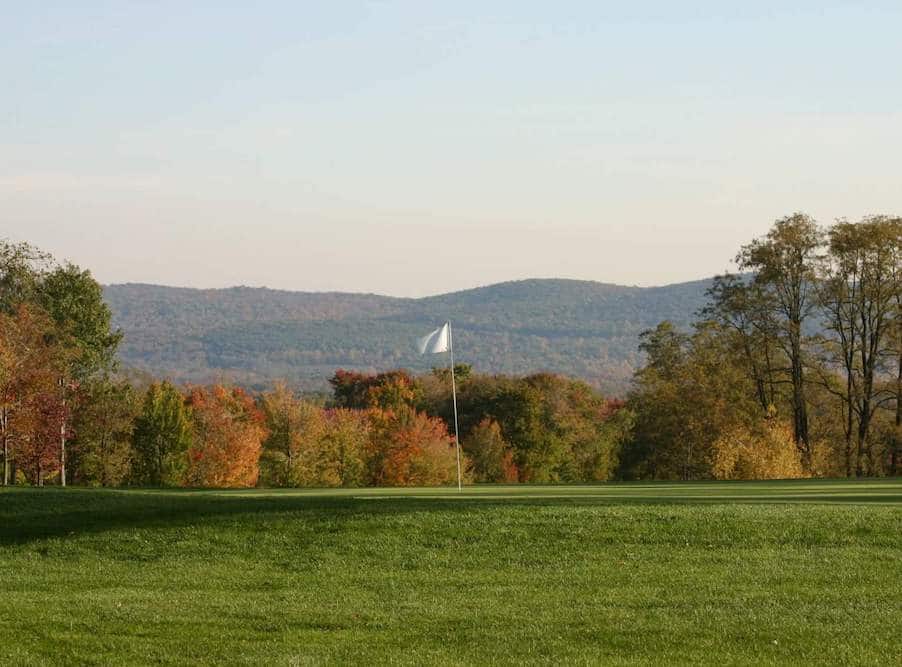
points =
(641, 573)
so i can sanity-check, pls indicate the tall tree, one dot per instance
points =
(859, 296)
(896, 334)
(784, 266)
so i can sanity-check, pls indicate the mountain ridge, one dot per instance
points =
(254, 335)
(266, 288)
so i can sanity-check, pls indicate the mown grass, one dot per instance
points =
(717, 573)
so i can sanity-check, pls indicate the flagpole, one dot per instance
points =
(454, 399)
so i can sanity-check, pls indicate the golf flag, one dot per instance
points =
(438, 341)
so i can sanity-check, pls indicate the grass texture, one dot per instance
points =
(801, 572)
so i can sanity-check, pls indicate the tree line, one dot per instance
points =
(792, 369)
(69, 414)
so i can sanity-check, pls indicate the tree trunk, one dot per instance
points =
(159, 471)
(849, 424)
(862, 444)
(63, 453)
(4, 426)
(799, 405)
(894, 455)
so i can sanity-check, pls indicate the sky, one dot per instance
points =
(414, 148)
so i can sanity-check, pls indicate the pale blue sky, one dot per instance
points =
(412, 148)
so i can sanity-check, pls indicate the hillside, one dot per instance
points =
(253, 335)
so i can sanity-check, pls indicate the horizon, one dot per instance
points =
(413, 298)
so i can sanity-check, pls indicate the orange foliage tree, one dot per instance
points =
(229, 432)
(410, 448)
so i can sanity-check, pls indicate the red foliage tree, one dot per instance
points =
(34, 412)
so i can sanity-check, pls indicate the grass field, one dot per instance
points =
(806, 572)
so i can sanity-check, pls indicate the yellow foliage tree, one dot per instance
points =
(768, 452)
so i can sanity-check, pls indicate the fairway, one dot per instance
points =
(647, 573)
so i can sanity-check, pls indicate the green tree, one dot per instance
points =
(492, 459)
(22, 267)
(161, 438)
(692, 390)
(742, 309)
(345, 439)
(283, 423)
(103, 425)
(75, 301)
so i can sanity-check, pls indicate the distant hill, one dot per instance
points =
(254, 335)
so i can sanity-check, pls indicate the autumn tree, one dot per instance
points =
(409, 448)
(69, 295)
(557, 428)
(308, 445)
(784, 272)
(73, 300)
(42, 453)
(161, 438)
(33, 413)
(765, 451)
(228, 436)
(311, 464)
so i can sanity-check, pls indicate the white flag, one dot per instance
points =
(435, 342)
